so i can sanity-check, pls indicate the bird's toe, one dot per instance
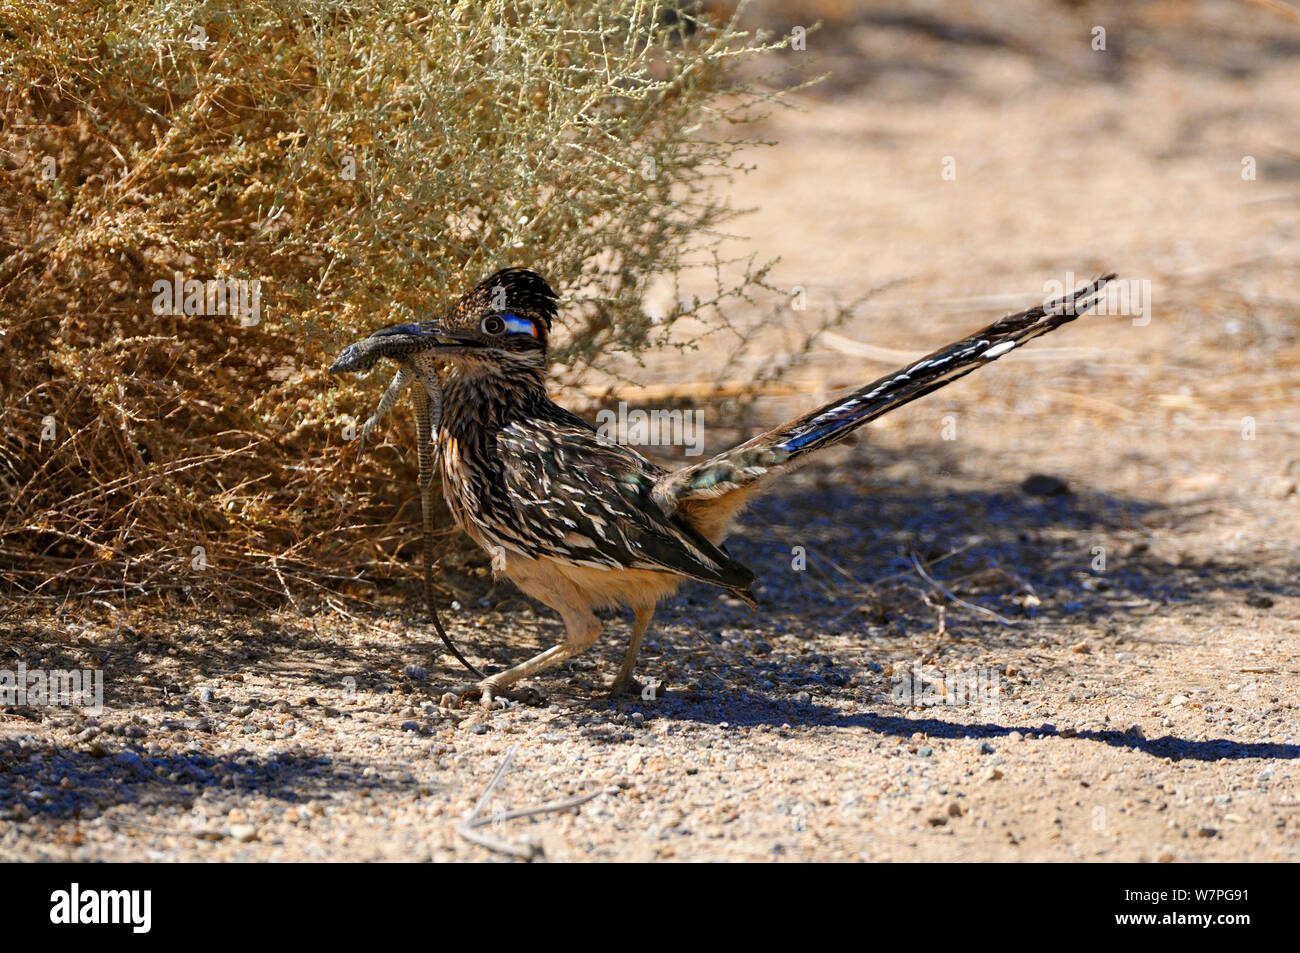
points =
(650, 689)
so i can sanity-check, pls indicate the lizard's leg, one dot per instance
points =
(400, 381)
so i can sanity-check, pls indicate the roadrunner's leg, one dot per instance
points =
(582, 628)
(640, 623)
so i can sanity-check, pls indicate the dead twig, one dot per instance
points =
(941, 632)
(116, 615)
(872, 590)
(1277, 6)
(920, 569)
(530, 851)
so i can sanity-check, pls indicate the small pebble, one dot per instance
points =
(1280, 488)
(1041, 484)
(129, 759)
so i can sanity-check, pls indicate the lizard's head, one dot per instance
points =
(505, 319)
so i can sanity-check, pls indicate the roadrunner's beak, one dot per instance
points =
(399, 343)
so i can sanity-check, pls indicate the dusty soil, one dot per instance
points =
(1145, 638)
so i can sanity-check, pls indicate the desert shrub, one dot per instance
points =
(355, 164)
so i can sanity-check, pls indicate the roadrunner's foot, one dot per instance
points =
(651, 689)
(623, 687)
(521, 694)
(486, 693)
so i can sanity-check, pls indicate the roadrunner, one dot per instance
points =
(581, 523)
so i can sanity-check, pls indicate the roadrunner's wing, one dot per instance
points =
(709, 494)
(579, 498)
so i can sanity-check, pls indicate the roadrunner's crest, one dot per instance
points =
(580, 523)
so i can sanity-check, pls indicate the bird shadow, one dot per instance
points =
(746, 708)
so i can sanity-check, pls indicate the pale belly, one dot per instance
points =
(551, 579)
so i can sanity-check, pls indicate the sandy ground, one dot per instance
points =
(1144, 646)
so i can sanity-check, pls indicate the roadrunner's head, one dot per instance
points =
(503, 323)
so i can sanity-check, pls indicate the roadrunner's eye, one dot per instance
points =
(501, 323)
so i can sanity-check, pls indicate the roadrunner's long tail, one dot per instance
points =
(711, 491)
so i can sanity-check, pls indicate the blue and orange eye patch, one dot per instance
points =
(517, 325)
